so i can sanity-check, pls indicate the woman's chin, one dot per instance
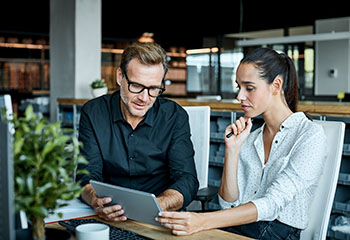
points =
(250, 114)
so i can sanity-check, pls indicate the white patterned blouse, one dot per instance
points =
(284, 187)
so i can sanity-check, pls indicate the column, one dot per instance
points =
(75, 49)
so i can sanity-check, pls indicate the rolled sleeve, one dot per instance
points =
(264, 207)
(225, 205)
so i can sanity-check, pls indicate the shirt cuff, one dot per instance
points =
(224, 204)
(83, 179)
(262, 207)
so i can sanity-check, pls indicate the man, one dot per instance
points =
(134, 139)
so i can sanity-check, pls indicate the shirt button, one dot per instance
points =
(282, 126)
(132, 134)
(131, 158)
(276, 141)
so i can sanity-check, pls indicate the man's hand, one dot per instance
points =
(110, 213)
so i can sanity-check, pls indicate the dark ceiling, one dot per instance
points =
(178, 23)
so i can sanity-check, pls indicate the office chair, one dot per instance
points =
(321, 206)
(6, 104)
(199, 119)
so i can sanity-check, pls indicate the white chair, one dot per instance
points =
(321, 206)
(6, 104)
(199, 119)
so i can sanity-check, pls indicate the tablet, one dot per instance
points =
(137, 205)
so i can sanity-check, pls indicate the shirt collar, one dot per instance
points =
(293, 120)
(118, 116)
(290, 122)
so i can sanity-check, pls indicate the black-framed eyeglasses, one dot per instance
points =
(135, 87)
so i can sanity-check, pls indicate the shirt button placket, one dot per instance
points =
(131, 147)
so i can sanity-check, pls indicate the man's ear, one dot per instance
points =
(119, 76)
(277, 85)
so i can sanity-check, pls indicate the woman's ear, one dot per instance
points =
(277, 85)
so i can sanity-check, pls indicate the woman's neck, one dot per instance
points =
(275, 116)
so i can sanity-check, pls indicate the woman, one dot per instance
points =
(270, 175)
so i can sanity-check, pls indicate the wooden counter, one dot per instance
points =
(314, 108)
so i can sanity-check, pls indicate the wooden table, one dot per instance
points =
(156, 232)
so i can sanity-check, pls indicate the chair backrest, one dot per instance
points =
(321, 206)
(199, 119)
(6, 103)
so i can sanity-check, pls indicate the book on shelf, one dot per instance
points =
(24, 75)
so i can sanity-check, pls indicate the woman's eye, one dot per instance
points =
(250, 88)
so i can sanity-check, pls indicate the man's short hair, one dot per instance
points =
(146, 53)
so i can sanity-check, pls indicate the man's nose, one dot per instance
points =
(143, 95)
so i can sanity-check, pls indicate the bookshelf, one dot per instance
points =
(24, 66)
(24, 74)
(25, 70)
(27, 73)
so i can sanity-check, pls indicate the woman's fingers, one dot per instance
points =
(179, 233)
(181, 223)
(238, 126)
(234, 129)
(173, 215)
(249, 124)
(164, 220)
(242, 123)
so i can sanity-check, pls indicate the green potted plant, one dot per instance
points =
(99, 87)
(45, 159)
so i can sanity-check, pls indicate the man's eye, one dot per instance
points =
(250, 88)
(135, 85)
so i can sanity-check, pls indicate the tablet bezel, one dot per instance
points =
(138, 205)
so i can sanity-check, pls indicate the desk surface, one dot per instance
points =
(156, 232)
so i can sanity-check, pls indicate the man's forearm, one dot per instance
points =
(170, 200)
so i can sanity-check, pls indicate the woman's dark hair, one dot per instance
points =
(272, 64)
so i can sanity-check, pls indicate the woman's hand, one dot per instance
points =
(239, 131)
(181, 223)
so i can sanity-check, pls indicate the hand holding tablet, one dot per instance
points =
(137, 205)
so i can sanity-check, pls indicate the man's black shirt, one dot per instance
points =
(156, 156)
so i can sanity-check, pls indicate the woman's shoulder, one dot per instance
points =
(307, 124)
(309, 129)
